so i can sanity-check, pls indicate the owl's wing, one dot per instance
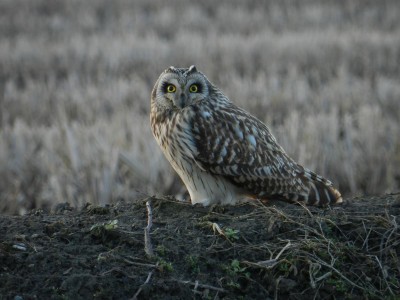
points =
(230, 142)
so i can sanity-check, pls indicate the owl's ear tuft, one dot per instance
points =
(170, 69)
(192, 69)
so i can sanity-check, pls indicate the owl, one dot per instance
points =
(222, 153)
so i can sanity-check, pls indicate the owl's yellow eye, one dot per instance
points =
(171, 88)
(193, 88)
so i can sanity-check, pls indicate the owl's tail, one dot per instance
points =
(321, 192)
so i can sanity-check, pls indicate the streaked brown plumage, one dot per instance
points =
(221, 152)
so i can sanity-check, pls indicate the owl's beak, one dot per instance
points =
(182, 100)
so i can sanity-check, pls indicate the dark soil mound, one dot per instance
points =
(249, 251)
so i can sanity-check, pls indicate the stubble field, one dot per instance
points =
(76, 77)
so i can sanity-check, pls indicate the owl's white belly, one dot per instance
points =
(203, 187)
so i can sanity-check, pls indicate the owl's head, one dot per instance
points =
(177, 88)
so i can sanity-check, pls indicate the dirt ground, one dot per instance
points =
(249, 251)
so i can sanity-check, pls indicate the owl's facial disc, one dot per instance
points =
(181, 94)
(181, 87)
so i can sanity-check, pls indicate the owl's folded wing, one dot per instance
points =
(230, 142)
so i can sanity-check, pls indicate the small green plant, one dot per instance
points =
(193, 262)
(164, 266)
(98, 229)
(236, 268)
(161, 250)
(234, 272)
(231, 234)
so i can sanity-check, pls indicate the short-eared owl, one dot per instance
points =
(221, 152)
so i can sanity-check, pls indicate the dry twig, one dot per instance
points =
(269, 264)
(144, 283)
(148, 247)
(196, 285)
(320, 261)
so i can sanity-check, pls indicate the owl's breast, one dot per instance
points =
(173, 134)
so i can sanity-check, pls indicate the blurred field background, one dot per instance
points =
(76, 77)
